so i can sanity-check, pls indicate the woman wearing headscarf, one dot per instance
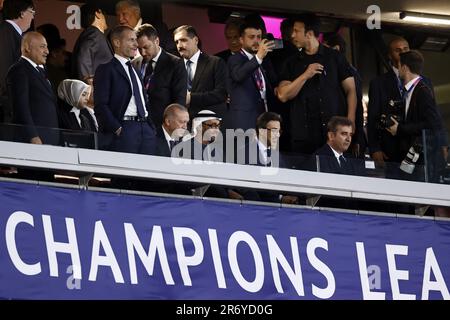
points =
(76, 112)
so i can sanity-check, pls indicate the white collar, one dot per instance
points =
(261, 146)
(32, 62)
(157, 56)
(90, 110)
(248, 54)
(138, 25)
(76, 111)
(397, 73)
(122, 60)
(411, 83)
(15, 25)
(167, 135)
(194, 58)
(336, 154)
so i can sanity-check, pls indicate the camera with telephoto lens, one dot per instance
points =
(409, 163)
(394, 110)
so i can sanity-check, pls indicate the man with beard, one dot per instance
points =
(252, 78)
(164, 74)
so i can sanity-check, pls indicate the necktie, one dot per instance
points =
(401, 89)
(189, 74)
(148, 74)
(257, 75)
(43, 73)
(172, 144)
(136, 92)
(342, 161)
(85, 123)
(269, 155)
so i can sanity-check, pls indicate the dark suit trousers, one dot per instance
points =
(136, 137)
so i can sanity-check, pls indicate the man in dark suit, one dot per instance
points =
(32, 97)
(263, 151)
(206, 84)
(164, 74)
(92, 48)
(252, 78)
(120, 100)
(18, 15)
(174, 127)
(331, 154)
(421, 113)
(385, 93)
(232, 34)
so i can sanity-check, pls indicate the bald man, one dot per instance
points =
(34, 103)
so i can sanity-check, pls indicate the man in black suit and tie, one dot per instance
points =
(174, 127)
(421, 113)
(34, 102)
(263, 151)
(386, 92)
(206, 84)
(164, 74)
(18, 15)
(120, 99)
(92, 48)
(252, 78)
(331, 155)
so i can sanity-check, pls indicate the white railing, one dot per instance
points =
(283, 180)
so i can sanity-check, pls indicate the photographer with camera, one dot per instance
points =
(385, 100)
(252, 78)
(420, 113)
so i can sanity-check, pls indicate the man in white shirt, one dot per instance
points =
(120, 100)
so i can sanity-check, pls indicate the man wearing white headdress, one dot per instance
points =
(207, 141)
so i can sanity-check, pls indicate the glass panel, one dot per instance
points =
(52, 136)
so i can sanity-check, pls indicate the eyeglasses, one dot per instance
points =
(212, 125)
(33, 12)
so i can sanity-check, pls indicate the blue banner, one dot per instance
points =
(58, 243)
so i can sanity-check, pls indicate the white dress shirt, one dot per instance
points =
(132, 107)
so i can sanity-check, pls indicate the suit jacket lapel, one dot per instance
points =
(333, 160)
(201, 65)
(121, 71)
(266, 78)
(35, 73)
(412, 101)
(73, 119)
(162, 60)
